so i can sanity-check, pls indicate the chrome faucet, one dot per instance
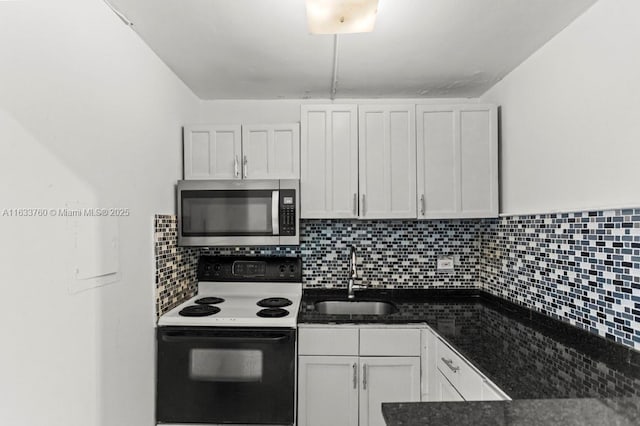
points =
(353, 274)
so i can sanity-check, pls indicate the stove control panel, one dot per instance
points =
(236, 268)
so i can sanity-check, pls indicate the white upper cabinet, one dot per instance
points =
(242, 152)
(387, 154)
(457, 161)
(271, 151)
(329, 162)
(212, 152)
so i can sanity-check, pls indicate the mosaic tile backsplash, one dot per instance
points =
(582, 268)
(175, 266)
(390, 254)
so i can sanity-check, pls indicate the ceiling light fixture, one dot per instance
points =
(341, 16)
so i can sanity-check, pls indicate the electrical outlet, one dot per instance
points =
(445, 263)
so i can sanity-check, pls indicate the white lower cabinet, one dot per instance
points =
(451, 377)
(444, 390)
(346, 373)
(387, 379)
(327, 390)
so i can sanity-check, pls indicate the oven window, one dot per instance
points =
(226, 365)
(221, 213)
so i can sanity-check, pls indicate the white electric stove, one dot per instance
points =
(227, 355)
(241, 304)
(242, 291)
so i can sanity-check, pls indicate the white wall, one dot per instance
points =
(285, 110)
(571, 117)
(90, 116)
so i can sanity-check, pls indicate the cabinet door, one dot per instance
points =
(212, 152)
(444, 389)
(457, 161)
(271, 151)
(329, 162)
(386, 379)
(387, 153)
(438, 162)
(479, 161)
(327, 391)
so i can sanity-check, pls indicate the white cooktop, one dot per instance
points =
(239, 308)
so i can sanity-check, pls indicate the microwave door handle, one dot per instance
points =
(275, 212)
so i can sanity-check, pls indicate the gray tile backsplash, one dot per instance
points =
(391, 254)
(582, 268)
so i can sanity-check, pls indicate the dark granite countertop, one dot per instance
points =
(524, 412)
(527, 354)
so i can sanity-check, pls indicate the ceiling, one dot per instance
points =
(261, 49)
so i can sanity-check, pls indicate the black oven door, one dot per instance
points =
(226, 375)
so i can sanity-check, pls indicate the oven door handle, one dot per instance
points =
(184, 337)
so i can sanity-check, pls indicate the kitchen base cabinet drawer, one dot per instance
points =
(448, 365)
(444, 389)
(389, 342)
(461, 375)
(328, 341)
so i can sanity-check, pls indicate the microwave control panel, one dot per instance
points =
(287, 212)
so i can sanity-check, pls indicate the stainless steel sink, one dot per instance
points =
(355, 307)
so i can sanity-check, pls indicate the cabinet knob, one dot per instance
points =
(355, 204)
(246, 167)
(364, 208)
(423, 206)
(236, 171)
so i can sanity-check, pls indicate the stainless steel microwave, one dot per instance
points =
(238, 213)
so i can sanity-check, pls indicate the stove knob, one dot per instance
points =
(292, 268)
(282, 268)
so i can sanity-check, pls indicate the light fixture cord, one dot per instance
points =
(334, 80)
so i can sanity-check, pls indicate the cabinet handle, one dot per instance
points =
(364, 376)
(236, 171)
(364, 209)
(355, 375)
(355, 204)
(423, 206)
(246, 167)
(449, 363)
